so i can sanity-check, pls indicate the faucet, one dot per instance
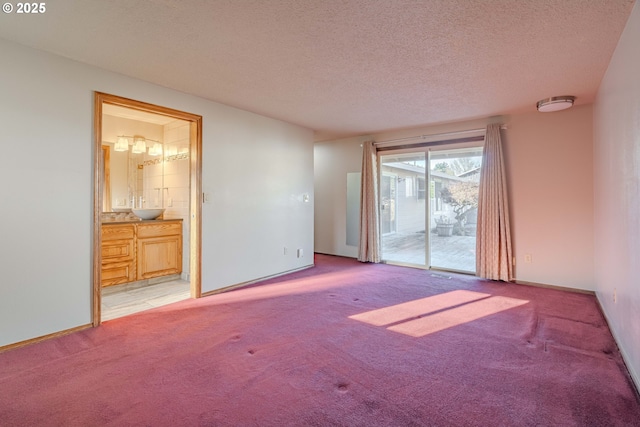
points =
(131, 199)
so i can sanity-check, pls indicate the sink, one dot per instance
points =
(147, 213)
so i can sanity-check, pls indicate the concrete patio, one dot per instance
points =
(451, 252)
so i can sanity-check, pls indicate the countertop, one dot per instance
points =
(136, 221)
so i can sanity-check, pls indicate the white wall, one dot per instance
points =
(617, 194)
(333, 160)
(549, 167)
(549, 158)
(257, 170)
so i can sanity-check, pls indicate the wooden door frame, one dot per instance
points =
(195, 205)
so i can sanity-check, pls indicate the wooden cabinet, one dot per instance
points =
(137, 251)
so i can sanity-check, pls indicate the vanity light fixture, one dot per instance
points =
(139, 145)
(122, 144)
(156, 149)
(555, 103)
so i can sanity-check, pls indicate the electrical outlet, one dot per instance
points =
(285, 251)
(300, 253)
(527, 258)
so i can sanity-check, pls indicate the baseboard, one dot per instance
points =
(468, 273)
(251, 282)
(44, 338)
(635, 376)
(335, 255)
(558, 288)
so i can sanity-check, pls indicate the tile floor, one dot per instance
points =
(129, 298)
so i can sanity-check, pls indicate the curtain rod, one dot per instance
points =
(433, 135)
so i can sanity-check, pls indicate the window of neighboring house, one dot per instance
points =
(408, 187)
(422, 188)
(436, 188)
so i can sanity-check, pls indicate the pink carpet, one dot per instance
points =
(341, 344)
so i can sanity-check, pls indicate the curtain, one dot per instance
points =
(369, 248)
(493, 239)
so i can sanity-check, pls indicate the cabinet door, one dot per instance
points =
(159, 256)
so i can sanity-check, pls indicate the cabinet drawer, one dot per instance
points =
(159, 230)
(117, 250)
(117, 232)
(118, 272)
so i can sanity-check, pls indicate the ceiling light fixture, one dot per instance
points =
(555, 103)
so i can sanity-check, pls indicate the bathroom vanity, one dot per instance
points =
(138, 250)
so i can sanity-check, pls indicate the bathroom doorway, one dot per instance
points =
(165, 175)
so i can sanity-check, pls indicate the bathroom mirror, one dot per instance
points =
(121, 179)
(135, 180)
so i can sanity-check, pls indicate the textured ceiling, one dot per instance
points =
(343, 67)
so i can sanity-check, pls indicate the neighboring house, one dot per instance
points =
(471, 175)
(403, 192)
(402, 198)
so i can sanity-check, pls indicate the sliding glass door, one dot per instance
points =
(428, 207)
